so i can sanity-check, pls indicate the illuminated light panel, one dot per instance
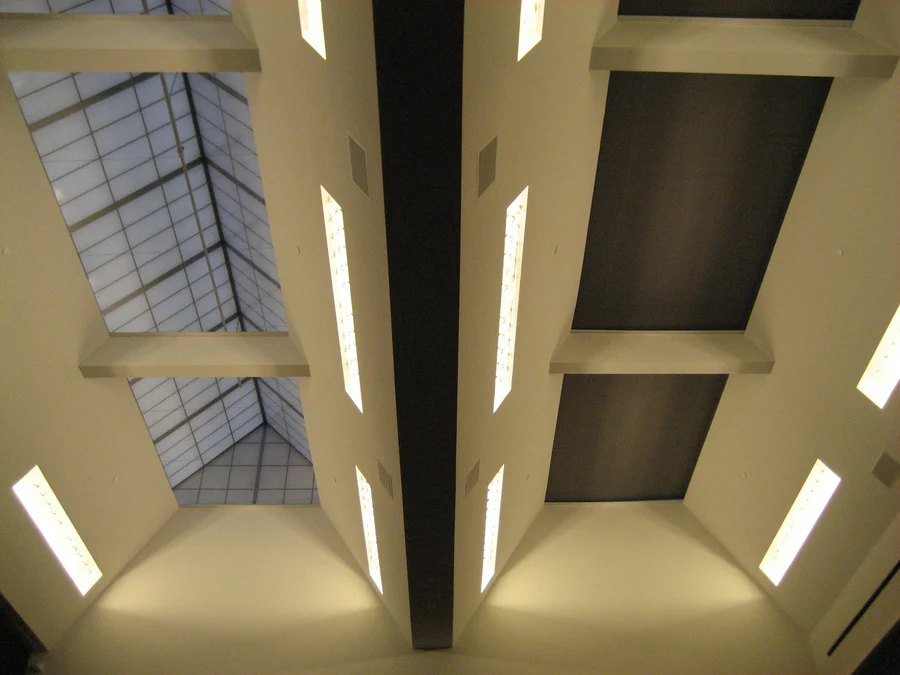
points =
(58, 531)
(808, 507)
(883, 372)
(491, 528)
(340, 286)
(368, 519)
(531, 25)
(311, 27)
(509, 296)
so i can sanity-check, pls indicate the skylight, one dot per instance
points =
(531, 25)
(311, 27)
(883, 372)
(368, 519)
(491, 528)
(340, 286)
(509, 296)
(805, 512)
(58, 531)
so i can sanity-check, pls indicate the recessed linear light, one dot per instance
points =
(368, 519)
(491, 528)
(883, 372)
(808, 507)
(340, 286)
(509, 296)
(311, 27)
(58, 531)
(531, 25)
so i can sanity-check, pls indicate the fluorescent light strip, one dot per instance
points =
(58, 531)
(883, 372)
(368, 519)
(340, 286)
(531, 25)
(509, 296)
(808, 507)
(491, 528)
(311, 27)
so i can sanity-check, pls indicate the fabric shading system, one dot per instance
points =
(160, 255)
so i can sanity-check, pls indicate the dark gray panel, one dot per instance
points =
(630, 437)
(694, 176)
(487, 166)
(744, 9)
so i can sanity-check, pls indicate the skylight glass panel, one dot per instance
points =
(513, 246)
(531, 25)
(805, 512)
(883, 372)
(340, 286)
(491, 528)
(368, 519)
(311, 26)
(51, 520)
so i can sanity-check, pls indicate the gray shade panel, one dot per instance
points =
(630, 437)
(694, 176)
(744, 9)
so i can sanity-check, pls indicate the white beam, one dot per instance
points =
(196, 355)
(659, 353)
(133, 43)
(740, 47)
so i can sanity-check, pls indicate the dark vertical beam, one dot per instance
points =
(419, 55)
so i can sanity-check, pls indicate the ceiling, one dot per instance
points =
(657, 201)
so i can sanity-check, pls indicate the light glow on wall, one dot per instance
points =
(340, 286)
(531, 25)
(368, 519)
(808, 507)
(513, 246)
(883, 372)
(491, 528)
(58, 531)
(311, 26)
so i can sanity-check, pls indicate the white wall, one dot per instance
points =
(599, 588)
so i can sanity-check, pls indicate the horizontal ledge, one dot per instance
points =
(196, 355)
(124, 43)
(740, 47)
(659, 353)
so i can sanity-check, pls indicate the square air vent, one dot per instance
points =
(386, 480)
(887, 470)
(487, 166)
(472, 479)
(359, 170)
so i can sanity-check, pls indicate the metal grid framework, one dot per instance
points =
(107, 145)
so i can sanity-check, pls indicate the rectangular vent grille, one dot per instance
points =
(358, 167)
(887, 470)
(386, 479)
(487, 166)
(472, 479)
